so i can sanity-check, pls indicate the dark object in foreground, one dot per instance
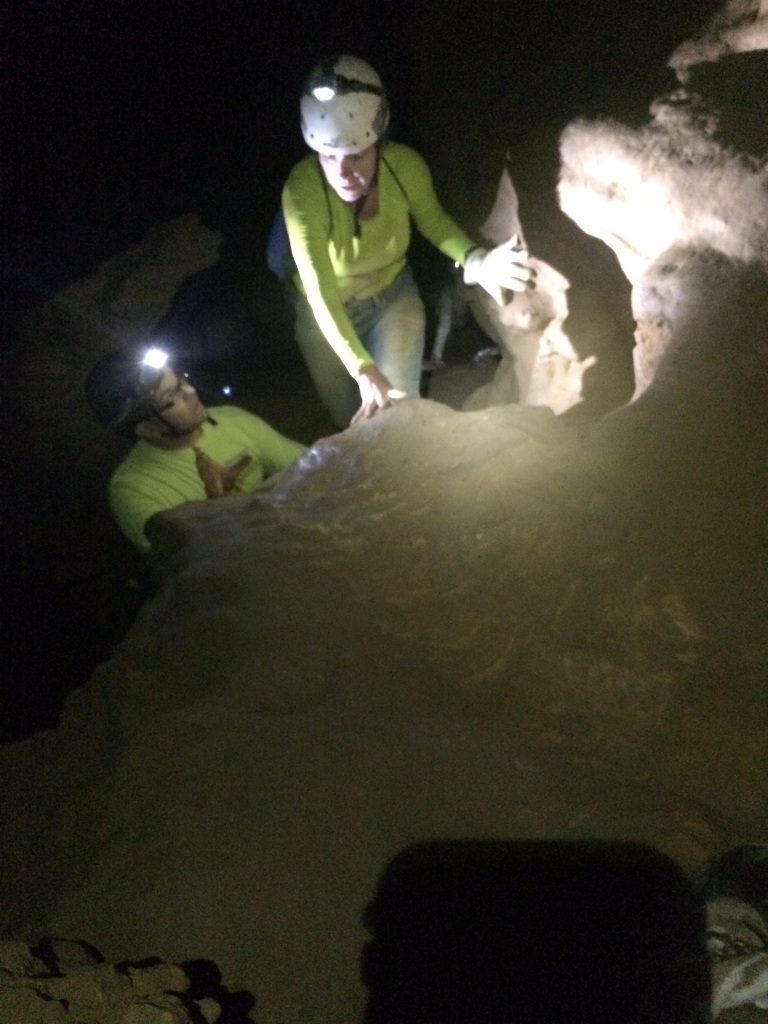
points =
(483, 932)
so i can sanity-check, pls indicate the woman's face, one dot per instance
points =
(350, 176)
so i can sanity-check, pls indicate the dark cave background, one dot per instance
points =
(120, 115)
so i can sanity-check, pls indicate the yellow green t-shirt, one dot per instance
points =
(338, 258)
(152, 479)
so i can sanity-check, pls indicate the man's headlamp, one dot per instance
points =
(155, 358)
(152, 365)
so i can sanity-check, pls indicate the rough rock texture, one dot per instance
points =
(538, 363)
(678, 181)
(670, 182)
(436, 624)
(64, 982)
(740, 27)
(124, 297)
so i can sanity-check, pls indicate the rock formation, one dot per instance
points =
(61, 982)
(676, 182)
(740, 27)
(539, 365)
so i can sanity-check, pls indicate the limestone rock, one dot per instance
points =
(64, 982)
(435, 624)
(741, 26)
(643, 191)
(677, 183)
(538, 363)
(438, 624)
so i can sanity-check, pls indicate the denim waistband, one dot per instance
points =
(364, 307)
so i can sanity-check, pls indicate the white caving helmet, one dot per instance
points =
(344, 107)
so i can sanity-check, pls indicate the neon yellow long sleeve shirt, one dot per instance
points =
(152, 479)
(337, 259)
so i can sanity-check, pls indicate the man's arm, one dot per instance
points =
(277, 451)
(132, 509)
(148, 482)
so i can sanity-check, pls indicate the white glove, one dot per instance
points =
(502, 267)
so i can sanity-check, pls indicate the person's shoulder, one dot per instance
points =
(235, 416)
(139, 455)
(399, 151)
(303, 170)
(403, 158)
(141, 463)
(304, 163)
(231, 412)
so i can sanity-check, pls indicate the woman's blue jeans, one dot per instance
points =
(391, 327)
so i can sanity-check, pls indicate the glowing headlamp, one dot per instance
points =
(325, 87)
(155, 359)
(323, 93)
(152, 365)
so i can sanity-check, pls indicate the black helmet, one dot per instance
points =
(120, 385)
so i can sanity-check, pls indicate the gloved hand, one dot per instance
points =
(500, 268)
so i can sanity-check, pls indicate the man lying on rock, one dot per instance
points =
(183, 451)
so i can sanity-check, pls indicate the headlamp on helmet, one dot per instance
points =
(120, 386)
(329, 84)
(344, 107)
(323, 92)
(155, 358)
(151, 368)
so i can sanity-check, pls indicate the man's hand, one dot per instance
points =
(219, 480)
(502, 268)
(375, 391)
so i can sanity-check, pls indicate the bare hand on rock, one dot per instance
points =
(376, 392)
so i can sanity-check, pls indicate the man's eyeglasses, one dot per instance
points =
(170, 396)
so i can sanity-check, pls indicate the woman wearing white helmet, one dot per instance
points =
(348, 207)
